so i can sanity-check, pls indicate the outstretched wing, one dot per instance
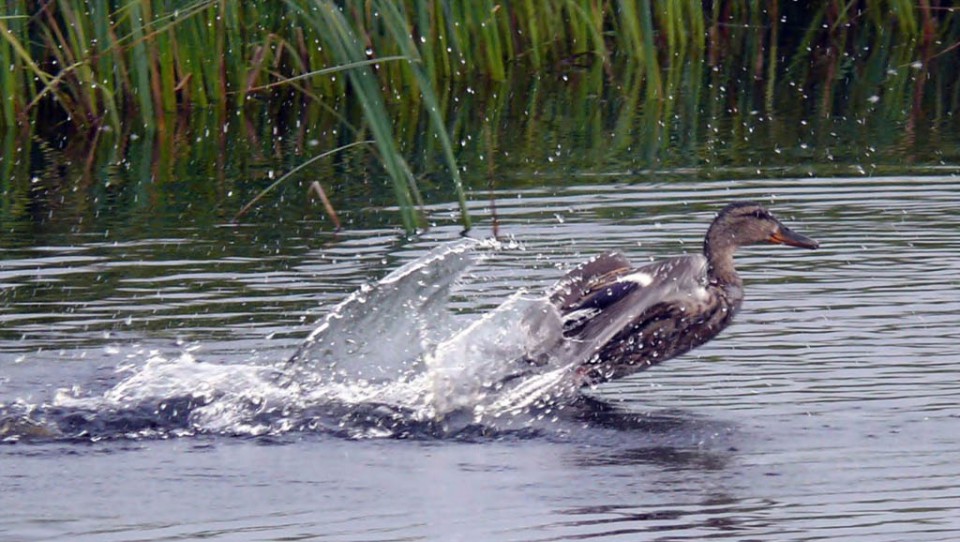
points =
(585, 278)
(611, 308)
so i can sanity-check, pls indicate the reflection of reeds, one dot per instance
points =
(109, 62)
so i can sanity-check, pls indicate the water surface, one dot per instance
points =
(828, 411)
(142, 328)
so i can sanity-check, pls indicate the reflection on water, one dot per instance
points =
(553, 129)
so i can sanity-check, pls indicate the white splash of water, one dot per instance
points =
(392, 343)
(380, 332)
(218, 398)
(503, 351)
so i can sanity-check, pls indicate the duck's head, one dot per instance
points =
(748, 223)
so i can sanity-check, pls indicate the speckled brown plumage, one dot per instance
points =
(631, 319)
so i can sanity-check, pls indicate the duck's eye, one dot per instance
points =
(763, 214)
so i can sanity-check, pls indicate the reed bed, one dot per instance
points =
(127, 65)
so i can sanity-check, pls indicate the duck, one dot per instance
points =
(627, 319)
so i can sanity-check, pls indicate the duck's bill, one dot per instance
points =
(784, 236)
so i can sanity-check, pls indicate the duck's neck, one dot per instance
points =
(720, 269)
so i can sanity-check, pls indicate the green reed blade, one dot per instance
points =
(75, 51)
(491, 39)
(591, 27)
(651, 65)
(141, 65)
(533, 29)
(330, 23)
(328, 71)
(164, 51)
(11, 84)
(21, 53)
(629, 31)
(235, 65)
(396, 24)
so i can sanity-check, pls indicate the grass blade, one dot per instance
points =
(396, 24)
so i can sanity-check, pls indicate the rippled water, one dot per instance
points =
(829, 410)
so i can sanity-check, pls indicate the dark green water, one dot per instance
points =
(828, 411)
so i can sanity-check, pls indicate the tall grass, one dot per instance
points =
(109, 63)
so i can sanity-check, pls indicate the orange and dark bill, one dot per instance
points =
(784, 236)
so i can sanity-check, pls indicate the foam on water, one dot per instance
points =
(390, 360)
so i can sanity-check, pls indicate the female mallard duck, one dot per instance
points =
(628, 319)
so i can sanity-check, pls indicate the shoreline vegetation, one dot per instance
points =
(103, 73)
